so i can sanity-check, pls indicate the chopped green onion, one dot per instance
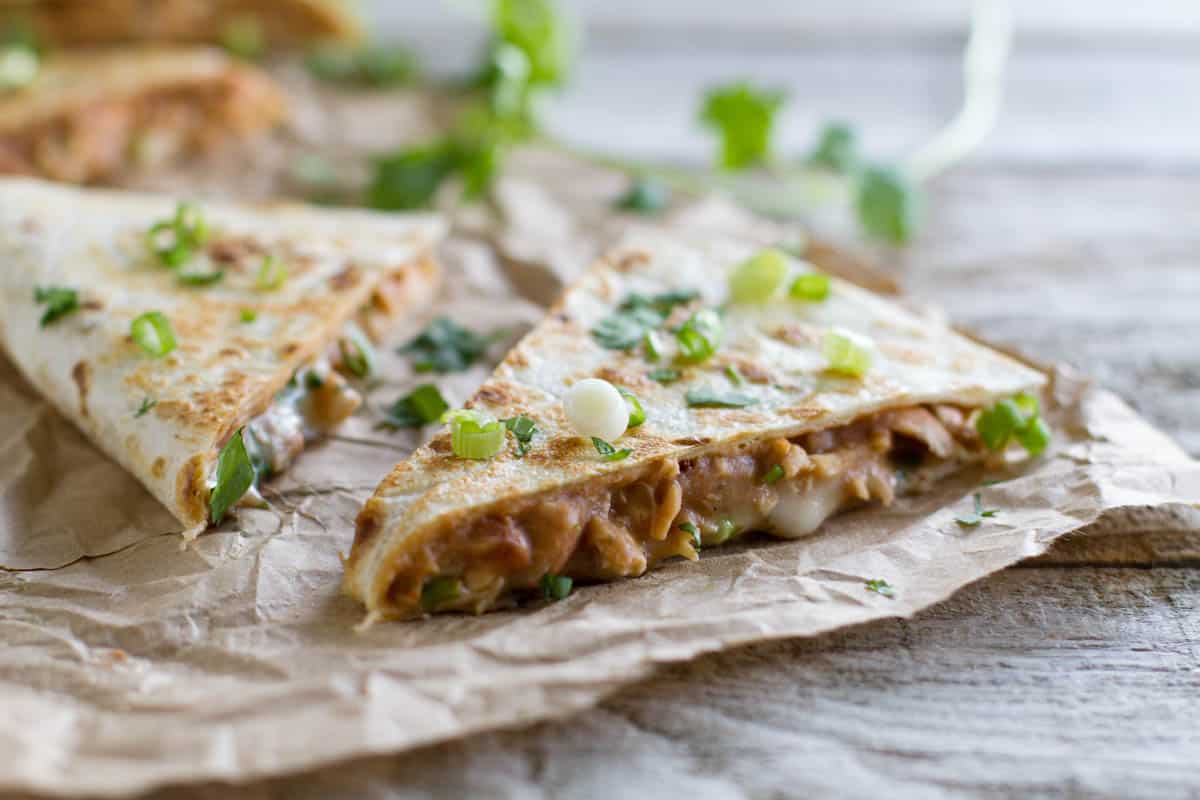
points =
(59, 303)
(312, 380)
(774, 474)
(556, 587)
(664, 374)
(880, 586)
(175, 240)
(522, 428)
(734, 376)
(475, 435)
(693, 531)
(812, 287)
(889, 205)
(650, 344)
(358, 354)
(438, 591)
(19, 65)
(725, 530)
(757, 279)
(847, 352)
(646, 195)
(637, 415)
(708, 397)
(837, 149)
(421, 406)
(247, 315)
(700, 336)
(235, 476)
(201, 278)
(152, 332)
(145, 407)
(1034, 436)
(608, 452)
(272, 274)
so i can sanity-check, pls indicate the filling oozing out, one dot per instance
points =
(669, 508)
(316, 400)
(102, 139)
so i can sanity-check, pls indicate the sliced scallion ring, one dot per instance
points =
(153, 333)
(272, 274)
(637, 414)
(700, 336)
(847, 352)
(358, 354)
(757, 279)
(475, 435)
(812, 287)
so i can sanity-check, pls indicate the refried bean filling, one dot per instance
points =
(668, 508)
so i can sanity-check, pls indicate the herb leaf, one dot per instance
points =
(608, 452)
(145, 407)
(374, 66)
(646, 195)
(410, 178)
(700, 336)
(743, 117)
(974, 519)
(837, 148)
(889, 206)
(438, 591)
(445, 346)
(522, 428)
(637, 316)
(664, 374)
(693, 531)
(235, 475)
(774, 474)
(59, 302)
(201, 278)
(709, 397)
(880, 586)
(421, 406)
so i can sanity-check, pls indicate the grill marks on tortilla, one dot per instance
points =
(81, 373)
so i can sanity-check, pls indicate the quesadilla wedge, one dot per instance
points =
(758, 396)
(278, 23)
(202, 346)
(92, 116)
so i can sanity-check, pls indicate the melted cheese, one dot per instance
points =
(804, 505)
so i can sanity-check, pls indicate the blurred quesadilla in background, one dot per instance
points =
(268, 24)
(680, 395)
(93, 116)
(202, 347)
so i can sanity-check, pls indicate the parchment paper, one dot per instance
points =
(237, 658)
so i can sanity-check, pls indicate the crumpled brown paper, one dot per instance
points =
(237, 657)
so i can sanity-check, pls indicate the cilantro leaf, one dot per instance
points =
(646, 195)
(837, 148)
(608, 452)
(410, 178)
(145, 407)
(446, 346)
(888, 204)
(710, 397)
(419, 407)
(880, 586)
(522, 428)
(743, 117)
(374, 65)
(975, 519)
(59, 302)
(664, 374)
(637, 315)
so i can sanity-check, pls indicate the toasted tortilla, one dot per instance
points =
(165, 418)
(283, 23)
(91, 115)
(497, 526)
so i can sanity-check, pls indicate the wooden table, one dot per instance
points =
(1074, 235)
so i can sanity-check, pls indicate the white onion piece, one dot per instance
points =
(595, 408)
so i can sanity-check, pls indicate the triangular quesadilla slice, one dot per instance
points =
(94, 116)
(201, 345)
(679, 396)
(274, 23)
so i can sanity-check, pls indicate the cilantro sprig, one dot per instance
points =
(743, 117)
(637, 316)
(445, 346)
(976, 517)
(608, 452)
(59, 301)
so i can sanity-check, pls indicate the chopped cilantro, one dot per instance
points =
(421, 406)
(556, 587)
(974, 519)
(235, 475)
(374, 66)
(438, 591)
(889, 205)
(608, 452)
(709, 397)
(725, 530)
(664, 374)
(59, 302)
(145, 407)
(522, 428)
(743, 117)
(446, 346)
(637, 316)
(646, 195)
(880, 586)
(837, 148)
